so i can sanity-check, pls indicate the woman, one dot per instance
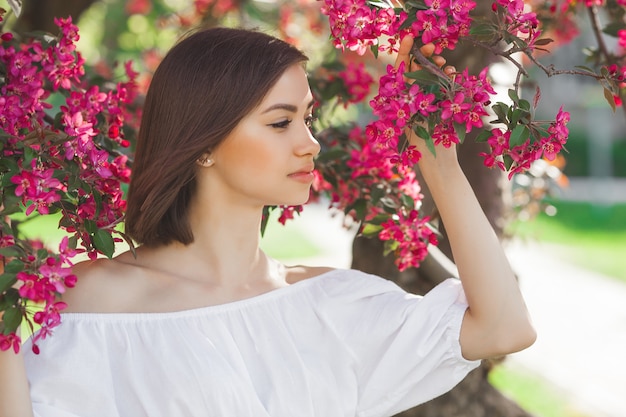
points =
(202, 323)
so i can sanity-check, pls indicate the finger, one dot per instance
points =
(449, 70)
(439, 60)
(428, 49)
(404, 51)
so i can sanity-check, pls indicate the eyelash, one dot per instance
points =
(285, 123)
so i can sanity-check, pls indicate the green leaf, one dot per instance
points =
(267, 210)
(6, 281)
(407, 201)
(613, 28)
(333, 154)
(415, 4)
(483, 136)
(9, 298)
(584, 68)
(377, 193)
(14, 266)
(359, 207)
(513, 95)
(516, 115)
(484, 30)
(390, 246)
(508, 161)
(8, 164)
(332, 89)
(422, 77)
(103, 241)
(460, 132)
(519, 135)
(501, 110)
(421, 132)
(378, 219)
(374, 49)
(412, 17)
(11, 251)
(12, 319)
(29, 155)
(371, 229)
(430, 144)
(543, 41)
(524, 104)
(608, 95)
(90, 226)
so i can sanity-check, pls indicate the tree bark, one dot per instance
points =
(38, 15)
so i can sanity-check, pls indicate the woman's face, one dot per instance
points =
(268, 158)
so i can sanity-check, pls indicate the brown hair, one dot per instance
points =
(204, 86)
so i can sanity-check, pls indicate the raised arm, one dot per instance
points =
(497, 321)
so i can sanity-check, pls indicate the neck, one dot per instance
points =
(225, 250)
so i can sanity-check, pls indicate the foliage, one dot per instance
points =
(64, 134)
(60, 136)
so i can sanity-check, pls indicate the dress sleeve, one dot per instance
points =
(405, 347)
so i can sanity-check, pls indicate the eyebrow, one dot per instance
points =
(288, 107)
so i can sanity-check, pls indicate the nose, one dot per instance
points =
(307, 144)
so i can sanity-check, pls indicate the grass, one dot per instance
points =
(287, 242)
(591, 236)
(532, 392)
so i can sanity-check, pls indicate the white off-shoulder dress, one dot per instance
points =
(343, 344)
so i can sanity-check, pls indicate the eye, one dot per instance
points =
(309, 121)
(282, 124)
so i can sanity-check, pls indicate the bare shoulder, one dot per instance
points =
(102, 285)
(300, 272)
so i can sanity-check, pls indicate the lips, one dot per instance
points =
(304, 174)
(308, 169)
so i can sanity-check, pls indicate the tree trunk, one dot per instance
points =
(38, 15)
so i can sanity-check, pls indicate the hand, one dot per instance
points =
(446, 156)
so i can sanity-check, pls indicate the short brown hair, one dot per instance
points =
(204, 86)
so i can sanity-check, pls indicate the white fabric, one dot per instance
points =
(341, 344)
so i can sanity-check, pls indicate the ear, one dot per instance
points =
(205, 160)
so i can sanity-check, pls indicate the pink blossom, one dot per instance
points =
(8, 341)
(455, 108)
(358, 82)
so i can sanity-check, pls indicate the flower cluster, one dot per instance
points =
(357, 81)
(519, 22)
(519, 158)
(461, 107)
(67, 163)
(410, 235)
(371, 188)
(357, 26)
(443, 22)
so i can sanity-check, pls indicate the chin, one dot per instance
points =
(295, 200)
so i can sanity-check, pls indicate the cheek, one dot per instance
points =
(249, 152)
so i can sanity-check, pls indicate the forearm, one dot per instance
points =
(497, 320)
(14, 390)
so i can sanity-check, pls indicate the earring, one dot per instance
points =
(206, 161)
